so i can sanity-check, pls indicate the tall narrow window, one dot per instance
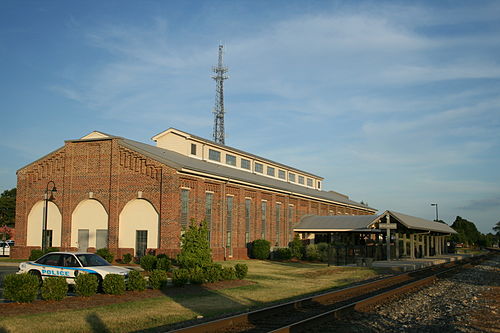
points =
(309, 182)
(264, 219)
(301, 180)
(141, 242)
(229, 219)
(259, 167)
(248, 205)
(290, 222)
(184, 207)
(291, 177)
(193, 149)
(209, 197)
(278, 222)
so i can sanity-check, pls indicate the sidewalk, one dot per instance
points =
(406, 264)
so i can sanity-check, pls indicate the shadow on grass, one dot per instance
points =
(200, 300)
(96, 324)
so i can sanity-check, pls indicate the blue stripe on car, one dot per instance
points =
(74, 268)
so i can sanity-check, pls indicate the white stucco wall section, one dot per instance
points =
(89, 214)
(138, 214)
(35, 217)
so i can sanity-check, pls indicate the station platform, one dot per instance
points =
(407, 264)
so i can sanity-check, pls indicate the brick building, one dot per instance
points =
(131, 197)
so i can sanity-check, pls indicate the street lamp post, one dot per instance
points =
(435, 204)
(47, 198)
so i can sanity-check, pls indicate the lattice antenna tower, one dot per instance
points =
(220, 70)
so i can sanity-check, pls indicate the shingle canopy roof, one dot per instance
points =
(362, 222)
(186, 164)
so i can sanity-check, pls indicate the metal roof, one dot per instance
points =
(312, 223)
(187, 164)
(412, 222)
(335, 223)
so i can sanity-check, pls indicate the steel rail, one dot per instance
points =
(355, 295)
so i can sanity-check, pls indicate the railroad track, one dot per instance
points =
(299, 315)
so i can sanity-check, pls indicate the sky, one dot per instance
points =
(394, 103)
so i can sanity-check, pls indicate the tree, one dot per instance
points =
(496, 228)
(466, 232)
(8, 208)
(195, 247)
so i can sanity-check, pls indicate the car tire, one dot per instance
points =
(37, 274)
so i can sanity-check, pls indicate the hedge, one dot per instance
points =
(136, 281)
(158, 279)
(54, 288)
(114, 284)
(261, 249)
(21, 287)
(241, 271)
(86, 284)
(148, 262)
(180, 277)
(106, 254)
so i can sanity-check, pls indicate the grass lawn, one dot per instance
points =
(7, 259)
(273, 281)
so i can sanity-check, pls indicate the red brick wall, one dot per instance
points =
(115, 175)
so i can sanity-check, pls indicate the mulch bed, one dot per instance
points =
(77, 302)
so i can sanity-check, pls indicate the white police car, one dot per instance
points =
(70, 264)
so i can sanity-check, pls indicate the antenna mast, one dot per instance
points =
(219, 78)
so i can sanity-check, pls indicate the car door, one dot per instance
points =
(70, 266)
(51, 265)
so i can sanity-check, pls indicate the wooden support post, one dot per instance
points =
(404, 245)
(412, 246)
(427, 247)
(396, 241)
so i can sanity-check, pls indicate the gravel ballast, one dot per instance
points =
(465, 302)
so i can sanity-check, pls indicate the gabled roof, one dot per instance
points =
(315, 223)
(235, 150)
(412, 222)
(195, 166)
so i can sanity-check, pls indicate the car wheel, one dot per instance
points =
(37, 274)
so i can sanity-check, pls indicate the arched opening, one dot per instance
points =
(89, 225)
(35, 220)
(138, 227)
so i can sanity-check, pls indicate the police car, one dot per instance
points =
(69, 265)
(5, 248)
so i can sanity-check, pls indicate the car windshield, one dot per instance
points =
(89, 260)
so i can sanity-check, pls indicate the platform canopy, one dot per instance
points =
(368, 223)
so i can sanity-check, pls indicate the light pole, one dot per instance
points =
(47, 198)
(435, 204)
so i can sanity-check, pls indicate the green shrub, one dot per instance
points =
(158, 279)
(35, 255)
(196, 275)
(51, 249)
(241, 271)
(106, 254)
(54, 288)
(161, 255)
(322, 251)
(127, 258)
(21, 287)
(228, 273)
(261, 249)
(195, 248)
(180, 277)
(148, 262)
(282, 253)
(163, 263)
(136, 281)
(297, 247)
(114, 284)
(86, 284)
(312, 252)
(213, 272)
